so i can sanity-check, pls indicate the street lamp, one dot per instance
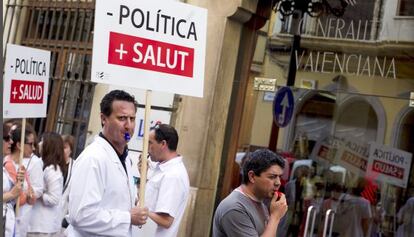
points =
(296, 9)
(313, 8)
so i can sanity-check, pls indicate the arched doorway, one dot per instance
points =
(313, 121)
(358, 119)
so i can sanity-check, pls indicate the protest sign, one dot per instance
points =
(391, 165)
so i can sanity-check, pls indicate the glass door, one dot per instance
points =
(351, 172)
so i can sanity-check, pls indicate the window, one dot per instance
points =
(406, 8)
(64, 28)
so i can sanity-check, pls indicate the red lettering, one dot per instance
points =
(354, 160)
(388, 169)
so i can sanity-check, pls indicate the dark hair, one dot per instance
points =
(259, 161)
(13, 121)
(70, 140)
(17, 124)
(16, 135)
(108, 99)
(52, 151)
(6, 131)
(167, 133)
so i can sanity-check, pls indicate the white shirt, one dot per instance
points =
(349, 212)
(8, 210)
(35, 165)
(101, 193)
(406, 217)
(34, 169)
(167, 191)
(47, 211)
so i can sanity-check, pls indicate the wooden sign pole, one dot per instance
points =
(22, 142)
(144, 165)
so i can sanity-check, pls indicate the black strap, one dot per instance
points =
(70, 175)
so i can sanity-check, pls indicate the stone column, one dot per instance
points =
(204, 124)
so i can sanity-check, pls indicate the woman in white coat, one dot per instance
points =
(30, 182)
(46, 213)
(10, 193)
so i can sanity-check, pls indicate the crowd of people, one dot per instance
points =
(48, 193)
(33, 186)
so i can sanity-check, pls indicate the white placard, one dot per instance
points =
(326, 149)
(353, 155)
(154, 45)
(389, 165)
(156, 115)
(160, 99)
(26, 82)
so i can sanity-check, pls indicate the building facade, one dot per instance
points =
(352, 123)
(66, 29)
(354, 78)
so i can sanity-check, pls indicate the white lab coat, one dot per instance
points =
(47, 211)
(34, 168)
(101, 193)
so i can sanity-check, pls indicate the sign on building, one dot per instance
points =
(154, 45)
(26, 82)
(390, 164)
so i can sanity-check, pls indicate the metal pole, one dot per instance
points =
(295, 31)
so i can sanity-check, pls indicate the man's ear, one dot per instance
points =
(252, 176)
(103, 119)
(164, 142)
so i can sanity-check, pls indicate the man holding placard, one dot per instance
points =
(102, 196)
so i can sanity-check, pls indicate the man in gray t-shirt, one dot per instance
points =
(243, 212)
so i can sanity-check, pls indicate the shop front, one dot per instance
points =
(349, 145)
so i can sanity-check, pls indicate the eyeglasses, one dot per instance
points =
(29, 143)
(7, 138)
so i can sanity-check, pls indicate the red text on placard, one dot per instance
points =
(388, 169)
(26, 92)
(137, 52)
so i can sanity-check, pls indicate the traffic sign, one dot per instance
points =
(283, 105)
(153, 45)
(26, 82)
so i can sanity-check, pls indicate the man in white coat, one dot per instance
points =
(102, 196)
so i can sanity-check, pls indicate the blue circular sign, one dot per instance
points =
(283, 105)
